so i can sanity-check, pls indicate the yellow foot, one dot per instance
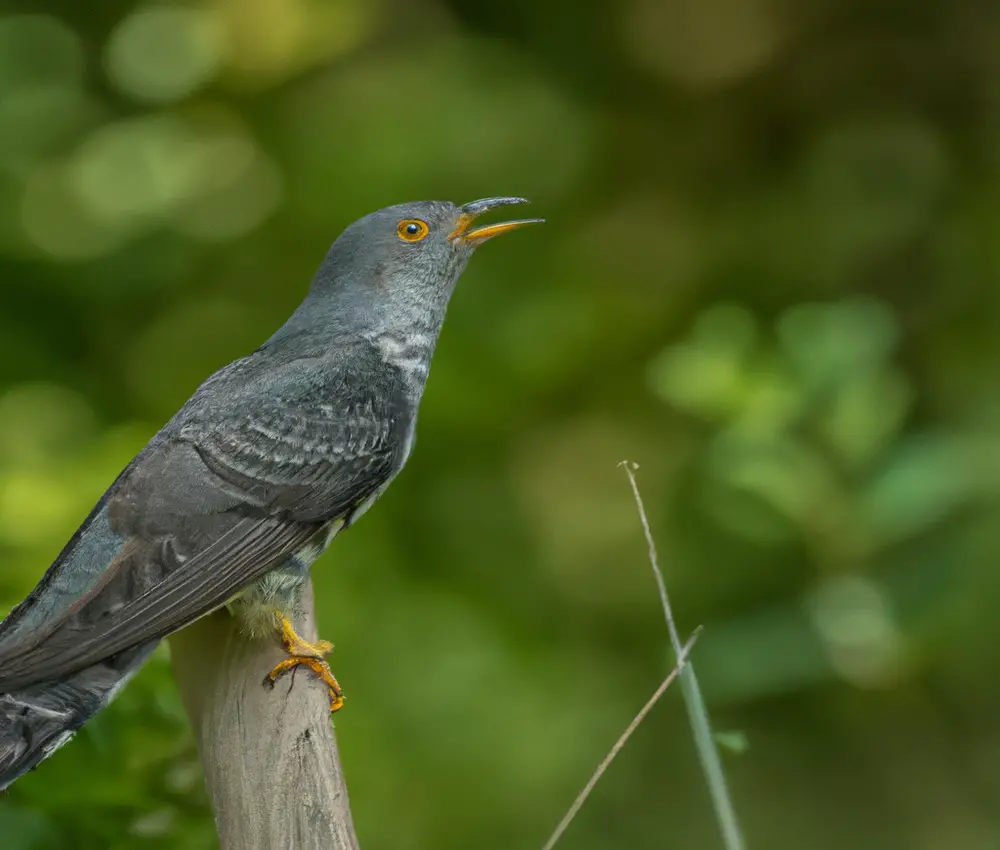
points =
(305, 654)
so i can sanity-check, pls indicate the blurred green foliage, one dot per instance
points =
(770, 276)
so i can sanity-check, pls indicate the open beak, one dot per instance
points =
(478, 235)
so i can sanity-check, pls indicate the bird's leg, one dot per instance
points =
(305, 654)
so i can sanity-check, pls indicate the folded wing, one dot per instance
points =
(212, 504)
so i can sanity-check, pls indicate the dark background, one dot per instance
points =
(769, 276)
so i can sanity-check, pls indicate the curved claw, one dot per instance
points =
(305, 654)
(319, 667)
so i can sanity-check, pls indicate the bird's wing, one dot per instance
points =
(205, 513)
(205, 581)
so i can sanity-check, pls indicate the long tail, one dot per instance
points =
(36, 721)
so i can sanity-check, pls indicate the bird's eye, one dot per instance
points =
(412, 229)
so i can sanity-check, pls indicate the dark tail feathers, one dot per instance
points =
(37, 720)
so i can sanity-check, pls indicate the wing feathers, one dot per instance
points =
(201, 584)
(267, 452)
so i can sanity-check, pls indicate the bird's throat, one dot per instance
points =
(409, 352)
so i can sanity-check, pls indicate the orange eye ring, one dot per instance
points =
(412, 229)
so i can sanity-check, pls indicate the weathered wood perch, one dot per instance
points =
(270, 757)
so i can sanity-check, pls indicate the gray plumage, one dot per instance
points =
(244, 487)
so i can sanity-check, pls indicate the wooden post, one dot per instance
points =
(270, 757)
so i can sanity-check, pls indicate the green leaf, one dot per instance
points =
(735, 741)
(925, 479)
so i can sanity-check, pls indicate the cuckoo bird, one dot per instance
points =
(231, 502)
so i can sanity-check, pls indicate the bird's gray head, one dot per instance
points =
(393, 271)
